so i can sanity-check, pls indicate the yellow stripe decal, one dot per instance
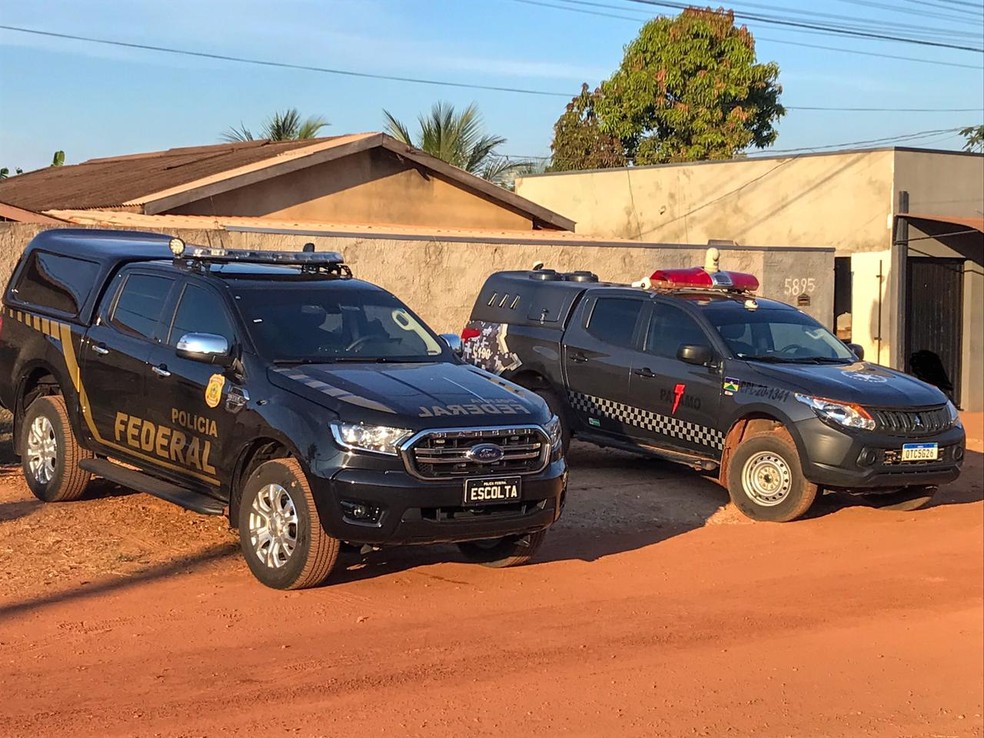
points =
(73, 370)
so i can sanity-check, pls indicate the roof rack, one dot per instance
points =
(325, 262)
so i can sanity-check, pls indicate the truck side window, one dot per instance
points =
(200, 311)
(669, 329)
(138, 308)
(613, 320)
(58, 282)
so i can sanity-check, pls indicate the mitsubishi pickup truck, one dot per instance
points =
(689, 365)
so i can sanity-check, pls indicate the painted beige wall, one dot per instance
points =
(941, 183)
(440, 279)
(371, 187)
(840, 200)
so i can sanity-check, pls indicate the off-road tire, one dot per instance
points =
(503, 552)
(906, 499)
(314, 553)
(557, 408)
(774, 457)
(67, 481)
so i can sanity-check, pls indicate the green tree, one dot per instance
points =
(281, 126)
(458, 139)
(579, 142)
(690, 88)
(974, 136)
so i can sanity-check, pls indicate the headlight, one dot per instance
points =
(376, 439)
(846, 414)
(955, 421)
(555, 430)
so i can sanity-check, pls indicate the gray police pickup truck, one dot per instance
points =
(309, 407)
(690, 366)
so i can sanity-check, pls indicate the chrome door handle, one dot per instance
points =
(160, 370)
(99, 349)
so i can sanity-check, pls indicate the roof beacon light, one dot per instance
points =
(177, 247)
(700, 278)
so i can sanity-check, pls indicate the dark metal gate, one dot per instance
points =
(934, 321)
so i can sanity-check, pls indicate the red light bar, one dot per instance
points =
(469, 333)
(700, 278)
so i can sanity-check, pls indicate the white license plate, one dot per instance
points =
(920, 451)
(493, 491)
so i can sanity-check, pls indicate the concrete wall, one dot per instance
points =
(842, 200)
(440, 278)
(371, 187)
(941, 183)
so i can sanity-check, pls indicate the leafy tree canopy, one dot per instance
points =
(974, 136)
(284, 125)
(689, 88)
(459, 139)
(579, 142)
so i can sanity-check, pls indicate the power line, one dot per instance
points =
(819, 27)
(282, 65)
(802, 44)
(413, 80)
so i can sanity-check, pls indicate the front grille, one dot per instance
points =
(443, 454)
(513, 509)
(912, 422)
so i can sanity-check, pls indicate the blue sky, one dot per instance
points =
(93, 100)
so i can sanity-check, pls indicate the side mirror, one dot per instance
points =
(454, 341)
(698, 355)
(857, 349)
(207, 348)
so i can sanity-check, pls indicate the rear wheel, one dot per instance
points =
(765, 478)
(280, 532)
(50, 455)
(500, 553)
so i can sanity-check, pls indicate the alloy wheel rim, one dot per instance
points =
(767, 479)
(42, 450)
(273, 526)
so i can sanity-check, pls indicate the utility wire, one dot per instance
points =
(281, 65)
(414, 80)
(819, 27)
(758, 37)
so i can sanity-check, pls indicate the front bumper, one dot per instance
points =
(404, 510)
(836, 458)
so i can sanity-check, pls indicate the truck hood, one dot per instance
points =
(413, 396)
(860, 382)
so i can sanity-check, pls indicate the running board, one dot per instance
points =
(694, 461)
(141, 482)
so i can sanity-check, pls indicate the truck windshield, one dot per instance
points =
(778, 336)
(306, 323)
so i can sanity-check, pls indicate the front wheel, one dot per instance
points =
(280, 531)
(50, 455)
(503, 552)
(765, 478)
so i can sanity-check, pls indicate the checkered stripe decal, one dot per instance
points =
(650, 421)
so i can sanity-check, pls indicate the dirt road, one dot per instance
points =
(654, 610)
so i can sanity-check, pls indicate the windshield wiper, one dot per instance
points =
(770, 358)
(774, 359)
(303, 360)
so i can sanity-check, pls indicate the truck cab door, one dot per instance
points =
(681, 401)
(597, 356)
(198, 402)
(113, 364)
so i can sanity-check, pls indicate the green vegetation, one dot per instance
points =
(689, 88)
(281, 126)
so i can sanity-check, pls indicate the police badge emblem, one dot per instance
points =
(213, 391)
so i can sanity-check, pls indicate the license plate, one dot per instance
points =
(493, 491)
(920, 451)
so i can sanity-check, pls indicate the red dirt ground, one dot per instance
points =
(653, 610)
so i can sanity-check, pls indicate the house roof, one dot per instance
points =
(20, 215)
(159, 181)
